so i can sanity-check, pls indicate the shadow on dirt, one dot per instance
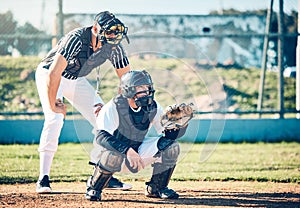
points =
(227, 199)
(136, 198)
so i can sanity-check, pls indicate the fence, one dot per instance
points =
(199, 131)
(212, 40)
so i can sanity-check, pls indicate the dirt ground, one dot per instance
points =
(192, 193)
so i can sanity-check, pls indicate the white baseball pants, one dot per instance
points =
(80, 94)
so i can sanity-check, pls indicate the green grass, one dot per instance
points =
(175, 80)
(276, 162)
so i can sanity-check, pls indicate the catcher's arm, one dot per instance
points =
(175, 120)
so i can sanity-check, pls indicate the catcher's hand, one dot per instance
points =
(177, 116)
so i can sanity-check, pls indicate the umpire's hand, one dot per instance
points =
(60, 107)
(97, 108)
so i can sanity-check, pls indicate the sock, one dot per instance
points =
(46, 159)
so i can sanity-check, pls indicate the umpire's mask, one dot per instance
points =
(110, 29)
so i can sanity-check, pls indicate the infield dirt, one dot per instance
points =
(192, 193)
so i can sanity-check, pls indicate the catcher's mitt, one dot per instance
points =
(177, 116)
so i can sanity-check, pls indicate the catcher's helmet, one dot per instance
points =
(132, 79)
(107, 25)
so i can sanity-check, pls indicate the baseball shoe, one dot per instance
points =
(164, 193)
(117, 185)
(43, 186)
(93, 195)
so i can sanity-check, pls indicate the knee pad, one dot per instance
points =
(110, 161)
(170, 154)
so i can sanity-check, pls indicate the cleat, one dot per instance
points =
(167, 193)
(43, 186)
(93, 195)
(117, 185)
(151, 190)
(164, 193)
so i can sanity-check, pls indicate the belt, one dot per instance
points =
(67, 75)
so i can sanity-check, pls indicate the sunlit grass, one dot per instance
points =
(277, 162)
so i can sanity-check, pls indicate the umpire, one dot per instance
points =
(61, 74)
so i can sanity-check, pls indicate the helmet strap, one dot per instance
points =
(127, 39)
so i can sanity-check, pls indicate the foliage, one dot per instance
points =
(24, 46)
(17, 87)
(242, 87)
(174, 80)
(275, 162)
(7, 26)
(30, 46)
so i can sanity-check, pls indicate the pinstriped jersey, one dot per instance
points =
(76, 48)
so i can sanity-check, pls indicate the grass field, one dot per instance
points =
(182, 79)
(262, 162)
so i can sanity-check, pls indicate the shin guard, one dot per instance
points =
(97, 183)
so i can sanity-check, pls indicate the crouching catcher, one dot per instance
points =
(123, 146)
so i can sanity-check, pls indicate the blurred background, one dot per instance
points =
(233, 59)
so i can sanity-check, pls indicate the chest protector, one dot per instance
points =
(86, 60)
(133, 126)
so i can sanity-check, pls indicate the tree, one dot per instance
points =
(25, 46)
(7, 26)
(28, 46)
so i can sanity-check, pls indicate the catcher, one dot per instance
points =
(122, 126)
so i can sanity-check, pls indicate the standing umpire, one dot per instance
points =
(61, 74)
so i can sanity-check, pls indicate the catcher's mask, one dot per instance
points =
(131, 80)
(110, 29)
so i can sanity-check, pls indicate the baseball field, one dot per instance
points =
(207, 175)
